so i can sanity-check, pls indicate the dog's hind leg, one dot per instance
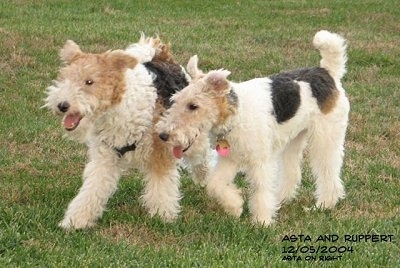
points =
(221, 186)
(326, 158)
(100, 179)
(290, 172)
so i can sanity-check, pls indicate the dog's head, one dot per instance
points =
(202, 105)
(87, 84)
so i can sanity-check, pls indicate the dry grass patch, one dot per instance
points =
(142, 236)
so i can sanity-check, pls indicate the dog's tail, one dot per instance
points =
(332, 48)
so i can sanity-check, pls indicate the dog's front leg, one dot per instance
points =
(221, 186)
(161, 194)
(101, 177)
(200, 159)
(263, 203)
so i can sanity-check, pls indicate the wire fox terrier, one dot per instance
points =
(111, 101)
(262, 126)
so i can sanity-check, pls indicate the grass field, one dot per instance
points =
(40, 172)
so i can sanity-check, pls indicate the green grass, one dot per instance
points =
(40, 172)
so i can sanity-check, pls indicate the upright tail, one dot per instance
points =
(332, 48)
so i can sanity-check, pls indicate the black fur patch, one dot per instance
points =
(285, 98)
(233, 98)
(322, 84)
(169, 78)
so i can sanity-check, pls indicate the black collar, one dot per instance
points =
(121, 151)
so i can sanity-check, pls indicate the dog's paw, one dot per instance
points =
(199, 180)
(235, 211)
(169, 217)
(329, 199)
(234, 205)
(326, 204)
(286, 194)
(70, 224)
(168, 212)
(166, 216)
(230, 198)
(264, 221)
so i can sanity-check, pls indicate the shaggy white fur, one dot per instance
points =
(262, 126)
(110, 102)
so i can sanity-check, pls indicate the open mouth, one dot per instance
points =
(71, 121)
(179, 150)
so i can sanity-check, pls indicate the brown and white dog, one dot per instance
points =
(111, 101)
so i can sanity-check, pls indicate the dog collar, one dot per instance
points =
(121, 151)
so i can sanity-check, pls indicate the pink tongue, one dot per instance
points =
(222, 151)
(178, 152)
(71, 121)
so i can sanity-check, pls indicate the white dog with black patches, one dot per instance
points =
(111, 101)
(262, 126)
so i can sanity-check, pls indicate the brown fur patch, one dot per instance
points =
(101, 75)
(330, 102)
(225, 107)
(161, 157)
(164, 54)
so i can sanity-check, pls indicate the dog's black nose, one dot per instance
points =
(63, 106)
(164, 136)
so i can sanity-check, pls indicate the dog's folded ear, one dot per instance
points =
(69, 51)
(217, 80)
(120, 60)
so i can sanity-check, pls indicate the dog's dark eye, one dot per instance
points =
(192, 106)
(89, 82)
